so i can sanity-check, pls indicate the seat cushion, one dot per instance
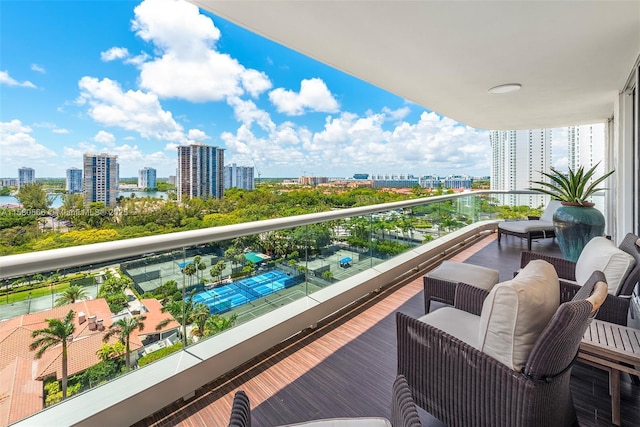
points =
(346, 422)
(474, 275)
(526, 226)
(515, 313)
(601, 254)
(458, 323)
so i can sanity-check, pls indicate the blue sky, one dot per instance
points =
(137, 79)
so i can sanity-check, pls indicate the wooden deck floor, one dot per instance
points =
(345, 368)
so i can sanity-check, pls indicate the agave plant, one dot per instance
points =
(572, 188)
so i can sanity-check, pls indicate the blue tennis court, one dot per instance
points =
(228, 297)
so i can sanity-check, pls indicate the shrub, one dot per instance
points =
(159, 354)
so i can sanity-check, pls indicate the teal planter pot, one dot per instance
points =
(575, 226)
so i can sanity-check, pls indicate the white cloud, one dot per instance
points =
(255, 82)
(138, 59)
(395, 115)
(18, 145)
(313, 96)
(171, 146)
(247, 112)
(6, 79)
(105, 138)
(37, 68)
(132, 110)
(350, 143)
(114, 53)
(54, 128)
(197, 135)
(188, 66)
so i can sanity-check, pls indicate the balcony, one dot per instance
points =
(306, 356)
(345, 367)
(344, 364)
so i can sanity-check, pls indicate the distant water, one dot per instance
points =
(57, 201)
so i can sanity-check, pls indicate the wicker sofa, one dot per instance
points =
(462, 385)
(616, 307)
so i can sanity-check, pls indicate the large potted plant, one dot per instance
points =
(576, 221)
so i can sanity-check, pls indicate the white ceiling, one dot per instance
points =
(571, 57)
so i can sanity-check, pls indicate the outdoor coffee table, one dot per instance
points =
(613, 348)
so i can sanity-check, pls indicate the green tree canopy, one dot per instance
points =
(70, 295)
(33, 196)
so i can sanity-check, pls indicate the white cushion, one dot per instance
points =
(515, 313)
(601, 254)
(346, 422)
(459, 323)
(526, 226)
(547, 215)
(475, 275)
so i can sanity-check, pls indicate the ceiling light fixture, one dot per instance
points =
(506, 88)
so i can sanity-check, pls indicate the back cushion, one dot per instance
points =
(547, 215)
(601, 254)
(515, 313)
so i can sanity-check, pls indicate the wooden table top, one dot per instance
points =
(615, 342)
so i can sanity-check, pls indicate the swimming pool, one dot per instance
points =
(228, 297)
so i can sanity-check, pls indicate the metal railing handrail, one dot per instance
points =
(55, 259)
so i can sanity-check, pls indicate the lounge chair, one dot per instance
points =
(533, 228)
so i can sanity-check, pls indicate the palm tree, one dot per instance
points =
(70, 295)
(56, 333)
(199, 316)
(124, 328)
(190, 270)
(216, 323)
(201, 267)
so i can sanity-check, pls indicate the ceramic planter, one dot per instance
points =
(575, 225)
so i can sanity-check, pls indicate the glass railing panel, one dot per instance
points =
(202, 290)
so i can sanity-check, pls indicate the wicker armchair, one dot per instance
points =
(240, 410)
(403, 411)
(462, 386)
(616, 307)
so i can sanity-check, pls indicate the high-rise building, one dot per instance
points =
(200, 172)
(26, 176)
(147, 178)
(238, 177)
(518, 157)
(74, 180)
(458, 181)
(586, 147)
(100, 178)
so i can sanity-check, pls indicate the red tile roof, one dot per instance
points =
(154, 317)
(20, 395)
(21, 388)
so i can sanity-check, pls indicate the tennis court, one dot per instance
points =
(233, 295)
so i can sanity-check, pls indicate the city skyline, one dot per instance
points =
(120, 85)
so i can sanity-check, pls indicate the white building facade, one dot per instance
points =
(74, 181)
(147, 178)
(26, 176)
(517, 158)
(239, 177)
(100, 178)
(200, 172)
